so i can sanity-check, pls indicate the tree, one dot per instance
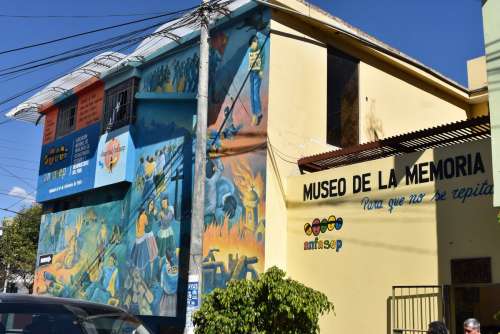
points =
(18, 246)
(270, 304)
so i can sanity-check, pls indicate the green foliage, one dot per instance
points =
(270, 304)
(18, 245)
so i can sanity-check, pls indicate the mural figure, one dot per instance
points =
(139, 296)
(256, 68)
(168, 283)
(214, 170)
(165, 238)
(105, 290)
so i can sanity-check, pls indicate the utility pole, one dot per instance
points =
(198, 201)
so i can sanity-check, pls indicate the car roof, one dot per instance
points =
(34, 299)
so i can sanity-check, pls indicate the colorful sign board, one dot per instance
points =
(67, 165)
(115, 158)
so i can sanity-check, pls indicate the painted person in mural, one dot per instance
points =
(256, 68)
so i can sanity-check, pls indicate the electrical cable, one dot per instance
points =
(16, 196)
(101, 42)
(19, 167)
(130, 42)
(29, 46)
(19, 201)
(16, 177)
(78, 16)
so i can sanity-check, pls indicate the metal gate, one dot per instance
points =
(414, 307)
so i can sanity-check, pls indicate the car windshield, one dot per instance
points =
(65, 319)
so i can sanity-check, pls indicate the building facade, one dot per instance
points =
(287, 80)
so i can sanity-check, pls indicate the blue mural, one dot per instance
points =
(133, 261)
(177, 74)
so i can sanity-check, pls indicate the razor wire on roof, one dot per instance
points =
(105, 63)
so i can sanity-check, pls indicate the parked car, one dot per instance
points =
(26, 314)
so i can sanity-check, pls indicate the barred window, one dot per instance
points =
(66, 119)
(119, 105)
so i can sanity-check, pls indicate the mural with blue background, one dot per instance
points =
(136, 261)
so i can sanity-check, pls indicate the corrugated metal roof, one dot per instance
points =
(443, 135)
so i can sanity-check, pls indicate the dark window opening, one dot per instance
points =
(119, 105)
(66, 119)
(342, 99)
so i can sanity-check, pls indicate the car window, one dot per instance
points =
(38, 323)
(118, 323)
(65, 319)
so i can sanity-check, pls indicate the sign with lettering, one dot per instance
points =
(67, 165)
(115, 158)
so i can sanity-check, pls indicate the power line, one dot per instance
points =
(107, 40)
(29, 46)
(129, 42)
(19, 201)
(19, 167)
(19, 159)
(78, 16)
(17, 196)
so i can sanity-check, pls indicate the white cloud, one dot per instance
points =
(21, 193)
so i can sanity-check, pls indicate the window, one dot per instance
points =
(119, 105)
(66, 119)
(342, 99)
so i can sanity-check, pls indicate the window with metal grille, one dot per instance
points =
(342, 99)
(119, 105)
(66, 119)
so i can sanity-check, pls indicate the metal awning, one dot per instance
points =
(443, 135)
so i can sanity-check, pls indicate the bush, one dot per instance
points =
(270, 304)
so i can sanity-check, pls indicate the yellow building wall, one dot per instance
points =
(390, 105)
(296, 124)
(410, 245)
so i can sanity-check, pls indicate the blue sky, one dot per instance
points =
(441, 34)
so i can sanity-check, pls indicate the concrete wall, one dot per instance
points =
(390, 105)
(410, 245)
(296, 123)
(492, 42)
(391, 102)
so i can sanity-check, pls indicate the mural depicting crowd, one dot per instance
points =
(179, 75)
(133, 262)
(126, 252)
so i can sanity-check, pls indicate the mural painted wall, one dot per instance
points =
(177, 74)
(133, 261)
(234, 237)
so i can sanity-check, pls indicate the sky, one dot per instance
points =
(441, 34)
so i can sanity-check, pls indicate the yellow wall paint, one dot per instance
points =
(296, 124)
(476, 73)
(391, 106)
(413, 245)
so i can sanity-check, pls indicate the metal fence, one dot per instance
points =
(414, 307)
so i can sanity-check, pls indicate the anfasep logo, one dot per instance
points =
(45, 259)
(319, 226)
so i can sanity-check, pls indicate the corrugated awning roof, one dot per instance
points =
(29, 110)
(443, 135)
